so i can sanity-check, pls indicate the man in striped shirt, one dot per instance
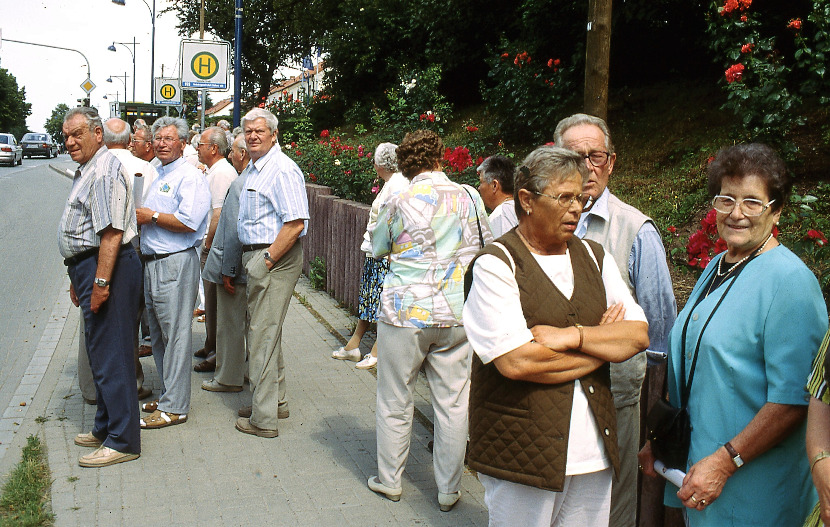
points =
(96, 228)
(273, 216)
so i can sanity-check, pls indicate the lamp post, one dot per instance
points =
(132, 54)
(123, 81)
(152, 47)
(117, 104)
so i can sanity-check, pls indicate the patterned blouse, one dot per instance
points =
(431, 232)
(816, 383)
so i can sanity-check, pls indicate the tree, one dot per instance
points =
(54, 125)
(13, 106)
(275, 33)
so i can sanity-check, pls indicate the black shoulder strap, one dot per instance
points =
(478, 222)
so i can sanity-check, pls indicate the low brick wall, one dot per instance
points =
(335, 232)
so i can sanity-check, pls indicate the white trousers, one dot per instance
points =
(446, 357)
(585, 501)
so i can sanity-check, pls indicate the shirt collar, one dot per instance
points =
(93, 159)
(430, 175)
(170, 167)
(600, 208)
(260, 163)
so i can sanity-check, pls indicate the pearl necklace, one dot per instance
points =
(719, 271)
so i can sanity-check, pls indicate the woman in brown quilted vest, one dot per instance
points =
(545, 314)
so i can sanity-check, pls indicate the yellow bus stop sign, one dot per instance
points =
(168, 91)
(204, 65)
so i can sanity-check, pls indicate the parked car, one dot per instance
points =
(39, 145)
(10, 151)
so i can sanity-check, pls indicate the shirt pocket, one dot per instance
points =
(252, 205)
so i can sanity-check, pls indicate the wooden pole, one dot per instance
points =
(597, 58)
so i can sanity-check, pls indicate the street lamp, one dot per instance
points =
(117, 103)
(152, 47)
(132, 53)
(123, 81)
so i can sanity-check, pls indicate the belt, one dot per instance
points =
(160, 256)
(255, 247)
(83, 255)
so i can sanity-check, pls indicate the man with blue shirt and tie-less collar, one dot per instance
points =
(94, 238)
(174, 219)
(637, 247)
(273, 216)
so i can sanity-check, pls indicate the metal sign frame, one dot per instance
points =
(163, 84)
(204, 64)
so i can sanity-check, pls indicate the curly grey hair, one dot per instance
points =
(179, 123)
(257, 113)
(386, 156)
(93, 120)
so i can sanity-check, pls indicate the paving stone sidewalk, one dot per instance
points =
(204, 472)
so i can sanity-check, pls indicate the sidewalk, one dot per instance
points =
(204, 472)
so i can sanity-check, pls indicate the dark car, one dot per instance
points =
(39, 145)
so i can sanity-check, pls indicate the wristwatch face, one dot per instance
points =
(155, 217)
(101, 282)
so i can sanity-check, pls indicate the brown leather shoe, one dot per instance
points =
(206, 365)
(243, 424)
(201, 354)
(144, 393)
(145, 351)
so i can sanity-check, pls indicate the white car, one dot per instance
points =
(10, 151)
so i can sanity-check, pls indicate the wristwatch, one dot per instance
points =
(101, 282)
(736, 457)
(268, 257)
(155, 217)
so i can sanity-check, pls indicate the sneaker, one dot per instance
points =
(380, 488)
(343, 354)
(448, 501)
(215, 386)
(367, 363)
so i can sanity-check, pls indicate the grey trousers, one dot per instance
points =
(170, 289)
(210, 305)
(269, 293)
(85, 381)
(231, 325)
(624, 490)
(447, 357)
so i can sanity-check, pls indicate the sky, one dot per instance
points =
(53, 76)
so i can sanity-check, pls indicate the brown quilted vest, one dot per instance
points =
(519, 429)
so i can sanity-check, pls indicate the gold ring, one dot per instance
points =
(703, 502)
(694, 500)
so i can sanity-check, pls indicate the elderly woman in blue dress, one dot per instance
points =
(374, 270)
(755, 320)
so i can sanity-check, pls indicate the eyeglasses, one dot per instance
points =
(566, 198)
(139, 141)
(749, 206)
(209, 144)
(168, 140)
(598, 159)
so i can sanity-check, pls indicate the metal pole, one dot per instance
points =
(202, 37)
(133, 69)
(88, 74)
(237, 64)
(153, 58)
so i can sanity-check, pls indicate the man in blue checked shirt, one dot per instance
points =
(174, 219)
(273, 217)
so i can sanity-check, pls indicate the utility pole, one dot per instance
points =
(237, 64)
(597, 58)
(202, 37)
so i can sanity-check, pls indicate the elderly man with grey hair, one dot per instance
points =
(213, 149)
(495, 184)
(273, 218)
(374, 270)
(174, 219)
(95, 231)
(633, 240)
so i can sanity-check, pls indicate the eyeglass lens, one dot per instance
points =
(749, 206)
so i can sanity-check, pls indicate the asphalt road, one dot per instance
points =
(32, 275)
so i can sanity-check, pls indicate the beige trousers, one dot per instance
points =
(268, 293)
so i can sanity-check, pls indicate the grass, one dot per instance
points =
(26, 493)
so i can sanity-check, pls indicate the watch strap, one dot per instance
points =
(734, 454)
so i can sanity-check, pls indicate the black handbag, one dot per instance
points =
(668, 428)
